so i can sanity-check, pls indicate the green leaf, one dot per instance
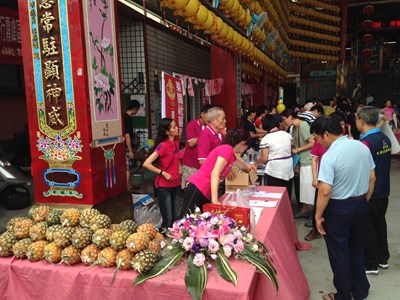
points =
(111, 51)
(224, 268)
(261, 263)
(97, 101)
(94, 63)
(100, 107)
(195, 279)
(163, 265)
(104, 70)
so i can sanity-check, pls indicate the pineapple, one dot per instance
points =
(70, 217)
(7, 241)
(90, 254)
(107, 257)
(99, 221)
(128, 225)
(86, 216)
(50, 231)
(115, 227)
(53, 217)
(118, 239)
(36, 250)
(21, 247)
(137, 241)
(70, 255)
(159, 236)
(143, 261)
(155, 247)
(149, 229)
(20, 227)
(38, 231)
(52, 253)
(62, 237)
(39, 213)
(102, 237)
(123, 259)
(82, 237)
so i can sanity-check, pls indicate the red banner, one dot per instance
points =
(172, 105)
(10, 37)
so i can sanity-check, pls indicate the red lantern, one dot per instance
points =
(368, 10)
(366, 52)
(367, 38)
(367, 24)
(366, 68)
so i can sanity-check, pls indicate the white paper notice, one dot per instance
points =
(262, 194)
(257, 213)
(261, 203)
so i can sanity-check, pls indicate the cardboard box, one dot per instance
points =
(241, 181)
(241, 215)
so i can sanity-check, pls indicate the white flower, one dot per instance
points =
(214, 220)
(205, 215)
(169, 247)
(237, 234)
(254, 247)
(105, 42)
(101, 82)
(162, 244)
(197, 210)
(243, 228)
(214, 256)
(213, 246)
(199, 259)
(227, 250)
(188, 243)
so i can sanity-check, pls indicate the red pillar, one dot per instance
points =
(67, 165)
(224, 65)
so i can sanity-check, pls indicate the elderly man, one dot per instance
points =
(376, 247)
(346, 182)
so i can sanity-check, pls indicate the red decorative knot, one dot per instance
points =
(367, 38)
(366, 52)
(368, 10)
(367, 24)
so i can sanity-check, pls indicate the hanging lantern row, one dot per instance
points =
(314, 24)
(368, 10)
(294, 8)
(282, 19)
(329, 7)
(251, 70)
(367, 38)
(367, 24)
(214, 26)
(314, 35)
(314, 45)
(313, 56)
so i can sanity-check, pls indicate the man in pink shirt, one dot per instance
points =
(211, 136)
(190, 163)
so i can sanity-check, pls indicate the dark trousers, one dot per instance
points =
(296, 182)
(314, 211)
(273, 181)
(168, 201)
(192, 198)
(345, 225)
(376, 245)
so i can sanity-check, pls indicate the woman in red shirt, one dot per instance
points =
(168, 169)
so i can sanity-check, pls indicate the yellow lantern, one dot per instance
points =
(208, 22)
(280, 108)
(191, 9)
(201, 16)
(223, 32)
(178, 4)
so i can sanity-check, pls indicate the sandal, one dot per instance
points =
(328, 296)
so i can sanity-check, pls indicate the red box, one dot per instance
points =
(241, 215)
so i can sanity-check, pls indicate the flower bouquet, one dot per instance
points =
(206, 238)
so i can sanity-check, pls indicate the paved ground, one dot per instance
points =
(385, 286)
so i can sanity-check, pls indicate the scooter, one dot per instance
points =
(14, 187)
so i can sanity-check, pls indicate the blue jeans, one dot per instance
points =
(345, 226)
(168, 200)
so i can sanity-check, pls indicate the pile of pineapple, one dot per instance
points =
(72, 236)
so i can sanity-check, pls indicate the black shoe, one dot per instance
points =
(384, 265)
(371, 271)
(309, 224)
(301, 214)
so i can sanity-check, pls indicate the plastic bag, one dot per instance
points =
(146, 211)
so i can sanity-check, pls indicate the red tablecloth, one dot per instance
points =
(22, 279)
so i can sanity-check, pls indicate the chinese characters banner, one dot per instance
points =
(102, 62)
(10, 37)
(172, 105)
(48, 20)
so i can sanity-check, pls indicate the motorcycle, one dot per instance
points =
(14, 187)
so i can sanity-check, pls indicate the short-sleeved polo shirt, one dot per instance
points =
(207, 141)
(193, 130)
(346, 166)
(169, 162)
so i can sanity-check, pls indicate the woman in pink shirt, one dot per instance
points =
(389, 112)
(203, 185)
(168, 169)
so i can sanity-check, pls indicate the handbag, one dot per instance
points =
(296, 159)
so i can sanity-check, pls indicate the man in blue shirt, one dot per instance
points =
(346, 182)
(376, 247)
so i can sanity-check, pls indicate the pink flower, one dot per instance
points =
(227, 239)
(227, 250)
(175, 232)
(200, 232)
(199, 259)
(101, 82)
(105, 42)
(188, 243)
(239, 246)
(213, 246)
